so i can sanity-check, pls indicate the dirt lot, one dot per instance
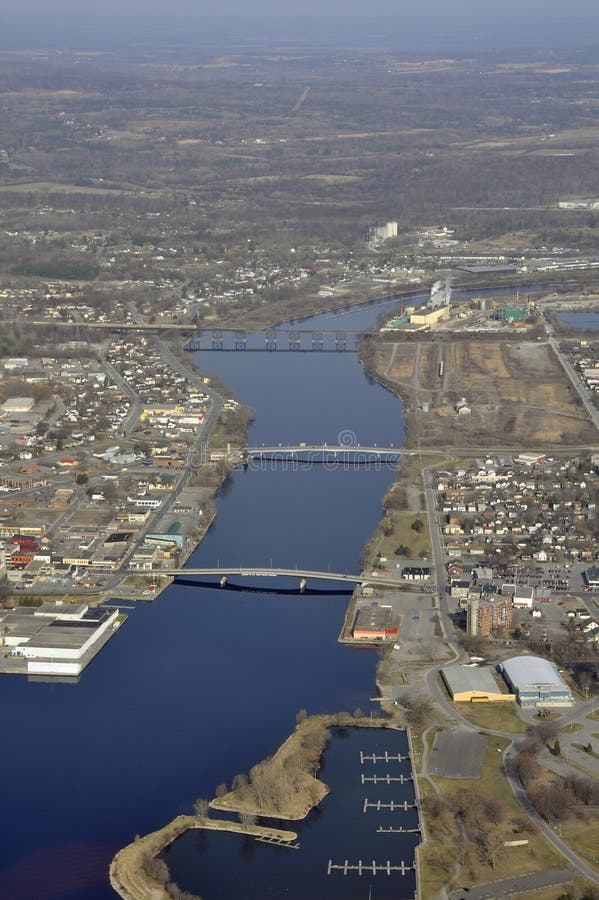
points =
(516, 391)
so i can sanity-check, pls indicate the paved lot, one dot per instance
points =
(458, 754)
(417, 625)
(510, 886)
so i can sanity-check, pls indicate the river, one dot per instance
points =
(202, 683)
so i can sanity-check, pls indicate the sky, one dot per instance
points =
(481, 10)
(485, 21)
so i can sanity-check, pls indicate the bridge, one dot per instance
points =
(295, 450)
(272, 339)
(224, 572)
(223, 338)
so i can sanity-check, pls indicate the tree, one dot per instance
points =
(301, 716)
(387, 526)
(403, 550)
(247, 818)
(222, 789)
(546, 731)
(525, 766)
(239, 781)
(492, 843)
(556, 748)
(81, 478)
(585, 678)
(417, 709)
(201, 808)
(417, 526)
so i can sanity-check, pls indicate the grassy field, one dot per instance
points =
(444, 847)
(581, 831)
(403, 533)
(496, 716)
(516, 389)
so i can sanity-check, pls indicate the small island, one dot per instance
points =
(283, 786)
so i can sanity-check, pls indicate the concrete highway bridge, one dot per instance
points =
(224, 572)
(295, 450)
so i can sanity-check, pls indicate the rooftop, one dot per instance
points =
(470, 678)
(527, 670)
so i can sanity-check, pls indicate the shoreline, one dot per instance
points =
(515, 280)
(127, 875)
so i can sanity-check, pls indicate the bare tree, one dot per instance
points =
(239, 781)
(201, 807)
(247, 818)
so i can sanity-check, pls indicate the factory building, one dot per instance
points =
(428, 316)
(536, 682)
(377, 233)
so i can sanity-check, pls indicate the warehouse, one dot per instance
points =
(469, 684)
(377, 623)
(536, 682)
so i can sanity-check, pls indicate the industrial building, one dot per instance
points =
(427, 316)
(375, 623)
(470, 684)
(376, 233)
(486, 616)
(536, 682)
(56, 638)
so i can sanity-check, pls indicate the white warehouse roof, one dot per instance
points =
(525, 670)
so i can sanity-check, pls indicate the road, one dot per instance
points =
(136, 405)
(573, 376)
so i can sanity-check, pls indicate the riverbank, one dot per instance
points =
(131, 877)
(128, 875)
(297, 309)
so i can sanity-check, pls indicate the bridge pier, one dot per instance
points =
(223, 581)
(303, 583)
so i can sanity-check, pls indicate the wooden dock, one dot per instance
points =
(369, 868)
(397, 829)
(392, 805)
(385, 779)
(279, 842)
(382, 757)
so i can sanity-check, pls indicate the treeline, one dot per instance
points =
(58, 268)
(555, 800)
(157, 870)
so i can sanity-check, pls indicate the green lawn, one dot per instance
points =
(500, 716)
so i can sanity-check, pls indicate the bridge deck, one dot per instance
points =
(224, 571)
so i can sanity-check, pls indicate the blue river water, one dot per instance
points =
(202, 683)
(344, 827)
(580, 319)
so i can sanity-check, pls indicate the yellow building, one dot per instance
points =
(428, 317)
(471, 684)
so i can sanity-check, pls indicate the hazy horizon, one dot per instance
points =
(415, 25)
